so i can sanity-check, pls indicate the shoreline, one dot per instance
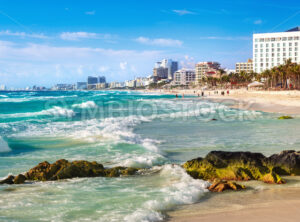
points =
(284, 102)
(267, 204)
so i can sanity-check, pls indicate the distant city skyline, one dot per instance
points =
(50, 42)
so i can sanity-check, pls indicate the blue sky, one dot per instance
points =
(48, 42)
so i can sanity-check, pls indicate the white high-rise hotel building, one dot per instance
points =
(273, 49)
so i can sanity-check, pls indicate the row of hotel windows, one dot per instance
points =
(244, 67)
(278, 54)
(273, 45)
(266, 64)
(278, 59)
(278, 50)
(277, 39)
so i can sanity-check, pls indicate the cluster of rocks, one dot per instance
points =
(244, 166)
(221, 168)
(63, 169)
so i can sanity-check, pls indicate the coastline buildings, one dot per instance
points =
(207, 69)
(160, 73)
(130, 83)
(101, 79)
(92, 81)
(63, 87)
(184, 77)
(81, 85)
(273, 49)
(244, 66)
(101, 86)
(116, 85)
(165, 69)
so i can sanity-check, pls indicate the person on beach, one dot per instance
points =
(202, 93)
(176, 95)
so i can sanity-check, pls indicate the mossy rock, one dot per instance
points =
(285, 117)
(63, 169)
(244, 166)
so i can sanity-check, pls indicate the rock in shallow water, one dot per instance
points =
(19, 179)
(244, 166)
(63, 169)
(8, 180)
(285, 117)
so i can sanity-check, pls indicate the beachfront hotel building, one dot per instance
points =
(273, 49)
(207, 69)
(184, 77)
(165, 69)
(244, 66)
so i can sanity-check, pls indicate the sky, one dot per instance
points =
(59, 41)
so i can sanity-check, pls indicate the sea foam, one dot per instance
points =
(85, 105)
(180, 188)
(4, 146)
(54, 111)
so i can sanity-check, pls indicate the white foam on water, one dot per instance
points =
(182, 189)
(55, 111)
(85, 105)
(37, 98)
(112, 130)
(141, 161)
(3, 96)
(4, 148)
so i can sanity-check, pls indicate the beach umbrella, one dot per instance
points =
(255, 84)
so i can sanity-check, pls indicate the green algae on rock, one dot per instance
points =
(285, 117)
(63, 169)
(243, 166)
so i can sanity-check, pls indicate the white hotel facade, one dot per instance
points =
(273, 49)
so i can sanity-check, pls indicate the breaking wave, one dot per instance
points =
(55, 111)
(182, 189)
(85, 105)
(4, 146)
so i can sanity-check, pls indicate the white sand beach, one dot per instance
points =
(267, 205)
(285, 102)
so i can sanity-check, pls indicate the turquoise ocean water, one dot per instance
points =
(152, 131)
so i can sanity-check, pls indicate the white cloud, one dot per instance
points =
(188, 62)
(23, 34)
(75, 36)
(183, 12)
(80, 70)
(159, 42)
(90, 13)
(30, 64)
(123, 65)
(103, 68)
(258, 22)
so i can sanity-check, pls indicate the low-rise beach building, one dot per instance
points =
(207, 69)
(244, 66)
(184, 77)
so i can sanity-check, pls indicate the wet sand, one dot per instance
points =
(271, 204)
